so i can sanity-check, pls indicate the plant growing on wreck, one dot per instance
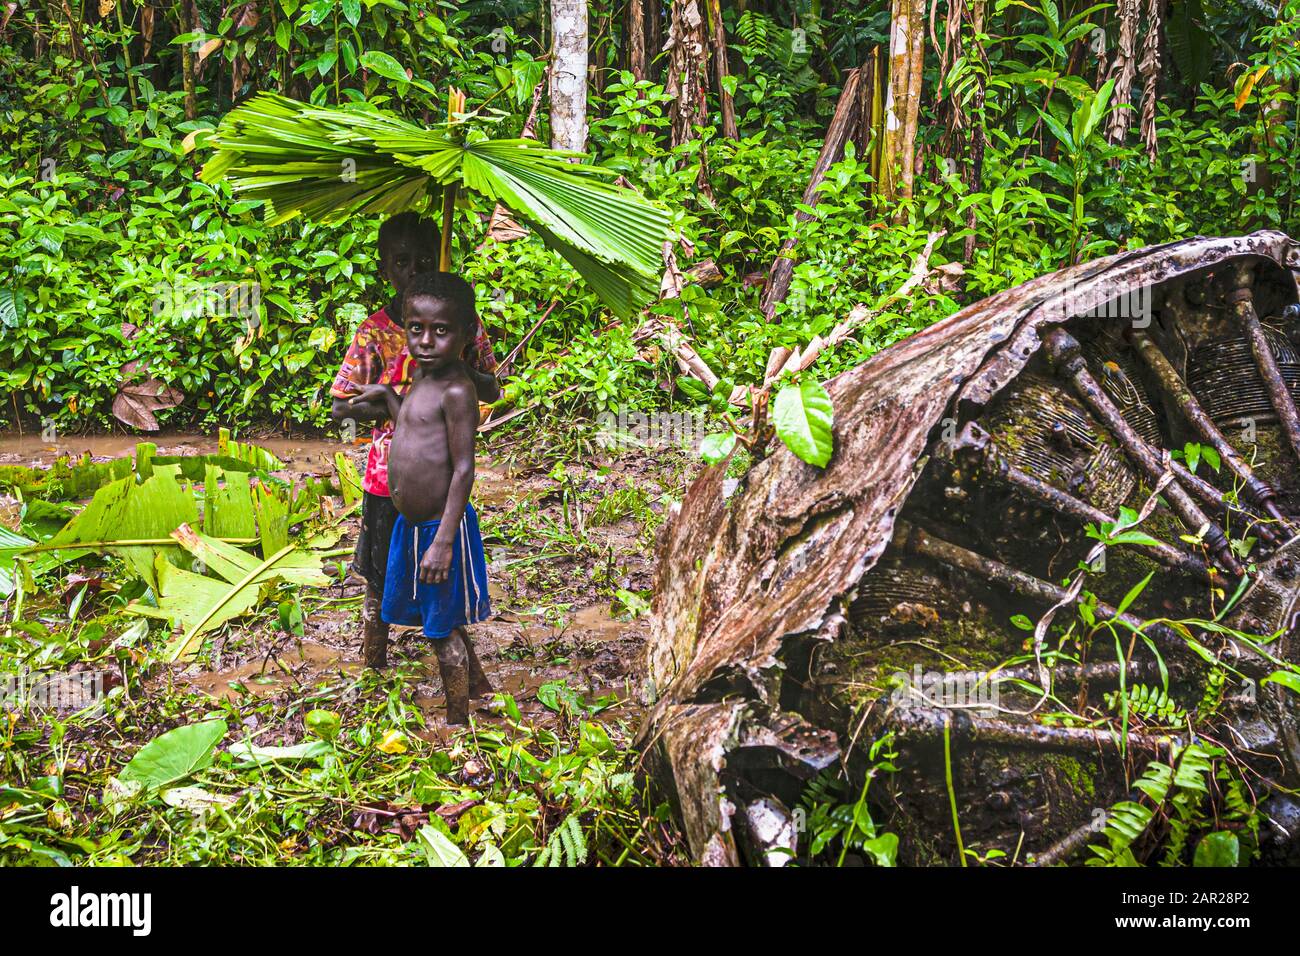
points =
(834, 817)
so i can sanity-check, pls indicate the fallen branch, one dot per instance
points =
(781, 359)
(797, 361)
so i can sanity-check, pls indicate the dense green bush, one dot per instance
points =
(102, 215)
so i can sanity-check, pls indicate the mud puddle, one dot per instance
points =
(552, 593)
(308, 456)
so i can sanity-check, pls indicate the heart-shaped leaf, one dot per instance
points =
(174, 755)
(803, 415)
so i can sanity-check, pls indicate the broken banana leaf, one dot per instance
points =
(12, 548)
(349, 479)
(297, 567)
(196, 603)
(193, 603)
(127, 518)
(227, 507)
(69, 480)
(258, 458)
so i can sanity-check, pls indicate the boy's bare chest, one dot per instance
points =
(422, 406)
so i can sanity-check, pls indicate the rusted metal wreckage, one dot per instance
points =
(969, 460)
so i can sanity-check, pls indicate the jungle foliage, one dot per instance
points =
(108, 231)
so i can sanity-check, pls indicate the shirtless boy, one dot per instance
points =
(408, 245)
(437, 575)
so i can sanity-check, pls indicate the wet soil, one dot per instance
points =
(558, 556)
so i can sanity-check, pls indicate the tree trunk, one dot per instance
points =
(636, 59)
(718, 34)
(654, 35)
(687, 77)
(189, 23)
(1124, 70)
(843, 125)
(978, 126)
(1149, 67)
(903, 99)
(569, 74)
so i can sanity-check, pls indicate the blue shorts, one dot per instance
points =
(441, 608)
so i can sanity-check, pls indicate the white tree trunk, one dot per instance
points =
(569, 74)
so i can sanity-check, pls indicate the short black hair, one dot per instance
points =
(446, 287)
(409, 225)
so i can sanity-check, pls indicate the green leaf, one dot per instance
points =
(1218, 849)
(438, 849)
(1288, 679)
(803, 416)
(323, 723)
(693, 388)
(716, 447)
(386, 66)
(883, 849)
(352, 11)
(253, 754)
(175, 755)
(1133, 593)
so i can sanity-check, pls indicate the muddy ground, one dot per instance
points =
(561, 547)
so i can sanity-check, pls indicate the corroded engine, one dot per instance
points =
(982, 602)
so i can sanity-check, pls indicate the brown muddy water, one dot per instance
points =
(554, 614)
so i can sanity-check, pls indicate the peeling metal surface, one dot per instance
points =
(740, 577)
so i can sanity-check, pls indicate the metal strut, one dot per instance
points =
(976, 442)
(1243, 308)
(1066, 356)
(1172, 384)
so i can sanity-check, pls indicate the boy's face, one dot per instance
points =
(403, 258)
(435, 335)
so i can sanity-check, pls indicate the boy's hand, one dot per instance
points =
(436, 563)
(370, 393)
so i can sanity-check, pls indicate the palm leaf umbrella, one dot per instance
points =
(331, 163)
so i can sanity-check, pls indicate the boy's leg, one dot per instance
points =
(374, 633)
(453, 662)
(479, 685)
(378, 515)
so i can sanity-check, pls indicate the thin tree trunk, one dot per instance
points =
(978, 124)
(903, 100)
(718, 34)
(687, 78)
(569, 74)
(843, 125)
(1124, 70)
(654, 35)
(1149, 68)
(870, 138)
(189, 23)
(636, 60)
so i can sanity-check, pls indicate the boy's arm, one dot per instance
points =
(460, 411)
(363, 364)
(486, 386)
(344, 408)
(381, 397)
(482, 366)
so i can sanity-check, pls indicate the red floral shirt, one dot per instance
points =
(378, 354)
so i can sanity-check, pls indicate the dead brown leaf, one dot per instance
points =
(135, 403)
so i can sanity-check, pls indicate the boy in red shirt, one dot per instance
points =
(408, 245)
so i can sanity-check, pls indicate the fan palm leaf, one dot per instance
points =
(330, 164)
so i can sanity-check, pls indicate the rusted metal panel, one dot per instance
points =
(738, 578)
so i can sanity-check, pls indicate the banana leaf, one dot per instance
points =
(332, 163)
